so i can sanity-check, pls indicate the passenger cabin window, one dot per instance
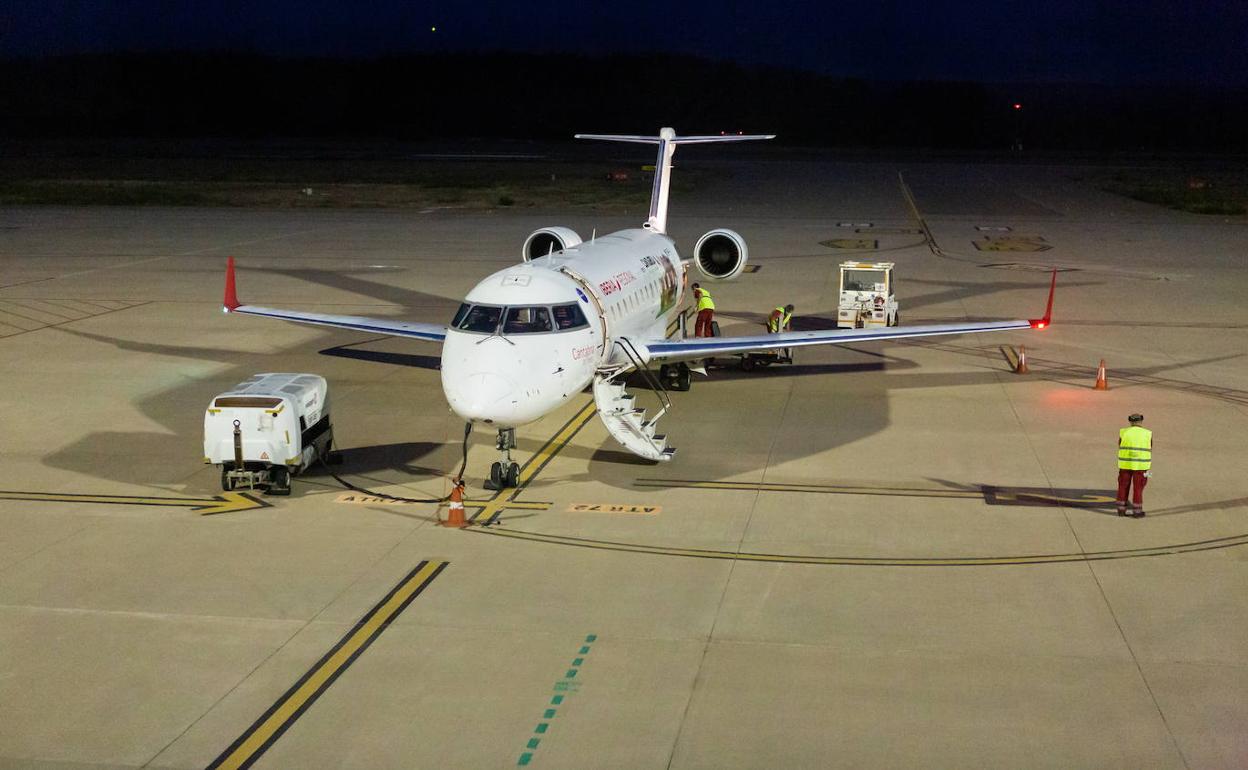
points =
(568, 317)
(478, 318)
(527, 320)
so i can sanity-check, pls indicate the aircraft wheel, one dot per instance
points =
(227, 483)
(513, 475)
(495, 481)
(683, 378)
(279, 481)
(747, 363)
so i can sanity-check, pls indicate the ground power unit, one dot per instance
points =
(268, 428)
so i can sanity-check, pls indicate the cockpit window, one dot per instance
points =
(527, 320)
(478, 318)
(568, 317)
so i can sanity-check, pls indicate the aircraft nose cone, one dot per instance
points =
(485, 396)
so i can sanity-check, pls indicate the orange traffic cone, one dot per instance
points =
(455, 513)
(1101, 383)
(1022, 360)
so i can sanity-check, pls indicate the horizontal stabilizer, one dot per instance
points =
(667, 141)
(673, 139)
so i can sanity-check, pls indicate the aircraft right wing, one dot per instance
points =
(419, 331)
(694, 348)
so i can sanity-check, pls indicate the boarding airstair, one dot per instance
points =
(618, 411)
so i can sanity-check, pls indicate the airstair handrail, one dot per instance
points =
(630, 350)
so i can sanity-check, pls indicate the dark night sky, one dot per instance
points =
(1094, 41)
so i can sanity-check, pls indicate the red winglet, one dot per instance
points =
(231, 296)
(1040, 323)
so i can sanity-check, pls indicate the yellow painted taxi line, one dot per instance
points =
(225, 502)
(490, 509)
(992, 495)
(556, 444)
(873, 561)
(1011, 356)
(282, 714)
(514, 504)
(811, 488)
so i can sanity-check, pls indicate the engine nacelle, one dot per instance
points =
(720, 255)
(548, 240)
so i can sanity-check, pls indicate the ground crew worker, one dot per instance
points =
(1135, 463)
(781, 319)
(706, 312)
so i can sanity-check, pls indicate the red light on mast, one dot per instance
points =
(1017, 106)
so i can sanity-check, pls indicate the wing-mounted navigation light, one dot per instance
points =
(1040, 323)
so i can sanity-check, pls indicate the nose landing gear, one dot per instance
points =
(504, 473)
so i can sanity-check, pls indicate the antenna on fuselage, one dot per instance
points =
(667, 141)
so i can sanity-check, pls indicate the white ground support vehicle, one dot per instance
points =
(267, 428)
(867, 296)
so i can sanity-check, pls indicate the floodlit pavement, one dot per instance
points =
(890, 555)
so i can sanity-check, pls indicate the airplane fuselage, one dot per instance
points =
(529, 337)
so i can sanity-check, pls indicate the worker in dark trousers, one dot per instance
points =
(1135, 463)
(706, 312)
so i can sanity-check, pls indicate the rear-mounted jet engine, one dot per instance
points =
(720, 255)
(547, 241)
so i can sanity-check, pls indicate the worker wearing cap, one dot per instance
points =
(781, 319)
(1135, 462)
(706, 312)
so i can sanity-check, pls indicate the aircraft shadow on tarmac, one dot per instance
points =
(347, 280)
(414, 360)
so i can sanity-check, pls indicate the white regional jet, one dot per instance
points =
(532, 336)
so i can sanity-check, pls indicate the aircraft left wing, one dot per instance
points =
(689, 349)
(419, 331)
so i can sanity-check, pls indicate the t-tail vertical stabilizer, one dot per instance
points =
(667, 141)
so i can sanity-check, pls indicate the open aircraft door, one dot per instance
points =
(583, 288)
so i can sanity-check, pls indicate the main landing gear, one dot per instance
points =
(675, 376)
(504, 473)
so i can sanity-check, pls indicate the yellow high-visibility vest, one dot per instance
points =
(704, 300)
(777, 322)
(1135, 449)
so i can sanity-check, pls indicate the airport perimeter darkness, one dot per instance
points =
(542, 97)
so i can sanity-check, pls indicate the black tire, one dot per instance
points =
(747, 363)
(495, 481)
(227, 483)
(279, 481)
(513, 475)
(683, 378)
